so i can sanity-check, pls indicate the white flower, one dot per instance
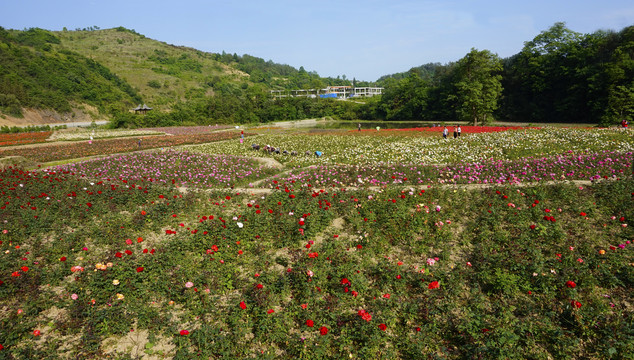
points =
(240, 225)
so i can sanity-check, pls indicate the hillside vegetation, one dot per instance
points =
(34, 73)
(559, 76)
(162, 73)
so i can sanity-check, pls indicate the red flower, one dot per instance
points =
(15, 274)
(382, 327)
(143, 212)
(118, 254)
(139, 269)
(575, 304)
(259, 286)
(1, 347)
(25, 268)
(270, 311)
(310, 323)
(533, 227)
(36, 332)
(345, 281)
(63, 258)
(243, 306)
(387, 296)
(128, 252)
(582, 214)
(571, 284)
(418, 329)
(364, 315)
(89, 204)
(184, 332)
(433, 285)
(323, 330)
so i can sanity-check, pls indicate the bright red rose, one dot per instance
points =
(243, 306)
(433, 285)
(310, 323)
(323, 330)
(571, 284)
(382, 327)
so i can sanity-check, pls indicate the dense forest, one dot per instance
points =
(559, 76)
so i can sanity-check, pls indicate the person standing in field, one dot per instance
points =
(459, 130)
(359, 126)
(455, 132)
(624, 123)
(445, 131)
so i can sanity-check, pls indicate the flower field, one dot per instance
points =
(423, 248)
(79, 134)
(11, 139)
(396, 149)
(78, 149)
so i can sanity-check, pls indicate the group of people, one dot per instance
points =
(273, 150)
(456, 132)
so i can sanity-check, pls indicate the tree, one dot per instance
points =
(478, 85)
(405, 99)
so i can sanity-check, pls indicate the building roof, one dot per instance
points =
(144, 107)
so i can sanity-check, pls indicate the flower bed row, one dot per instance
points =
(192, 170)
(24, 138)
(112, 146)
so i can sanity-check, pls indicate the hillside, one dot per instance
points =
(81, 75)
(163, 74)
(36, 74)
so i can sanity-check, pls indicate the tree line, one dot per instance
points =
(559, 76)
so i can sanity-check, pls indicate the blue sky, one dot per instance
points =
(359, 39)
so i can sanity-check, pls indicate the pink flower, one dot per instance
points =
(74, 296)
(189, 284)
(431, 261)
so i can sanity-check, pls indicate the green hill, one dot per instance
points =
(163, 74)
(36, 73)
(113, 70)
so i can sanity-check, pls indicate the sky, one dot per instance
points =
(359, 39)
